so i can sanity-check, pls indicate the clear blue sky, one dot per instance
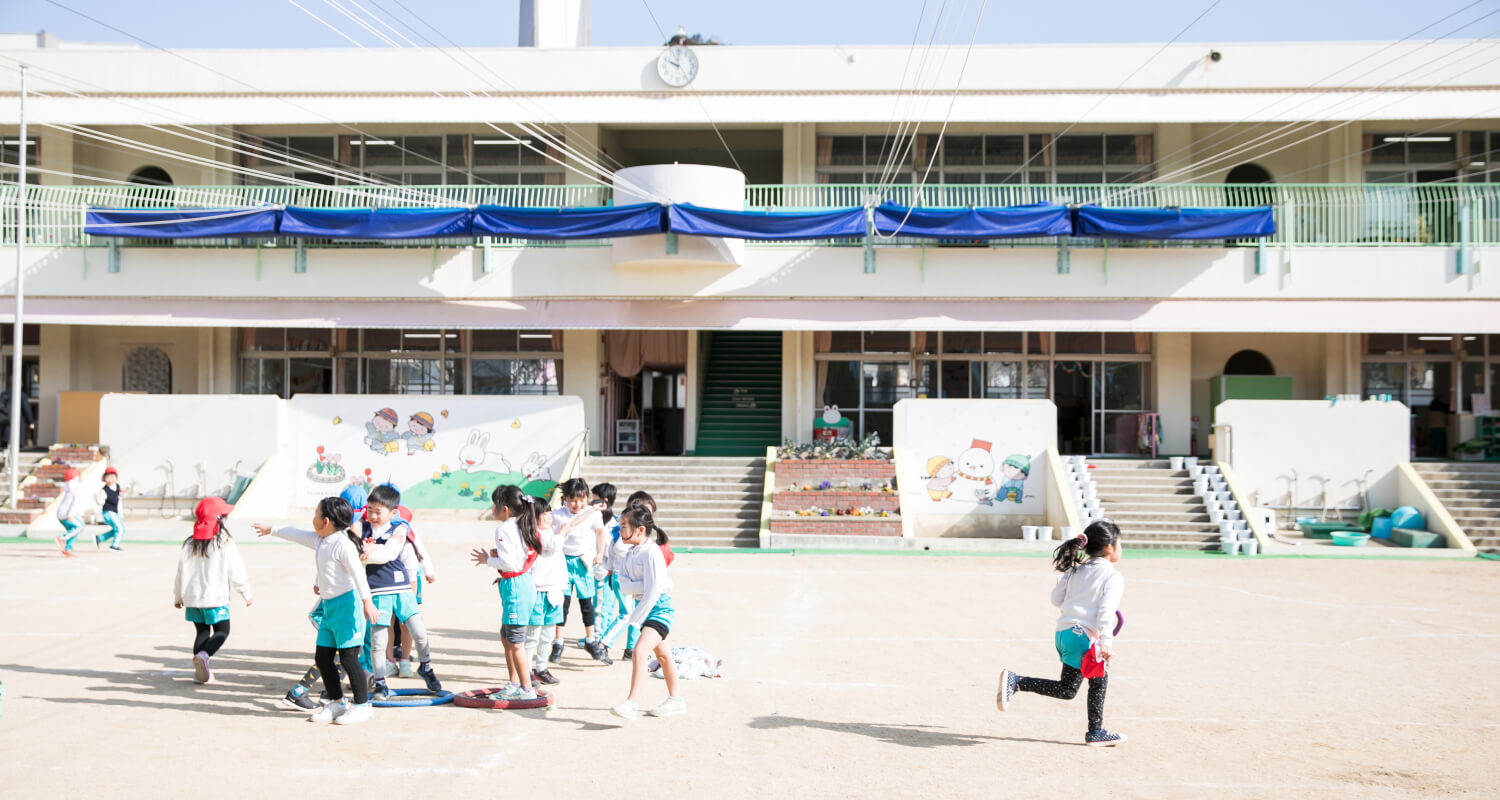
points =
(277, 23)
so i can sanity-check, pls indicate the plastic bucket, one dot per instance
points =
(1249, 547)
(1211, 469)
(1190, 461)
(1068, 532)
(1229, 545)
(1381, 528)
(1175, 461)
(1028, 533)
(1044, 532)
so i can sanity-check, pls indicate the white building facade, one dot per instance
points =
(1373, 284)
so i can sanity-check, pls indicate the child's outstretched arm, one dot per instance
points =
(307, 539)
(378, 553)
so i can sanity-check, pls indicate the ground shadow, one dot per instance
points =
(584, 725)
(904, 735)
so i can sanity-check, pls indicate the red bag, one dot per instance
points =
(667, 554)
(1092, 665)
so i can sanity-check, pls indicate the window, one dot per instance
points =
(1435, 374)
(429, 159)
(1398, 157)
(992, 159)
(10, 153)
(289, 361)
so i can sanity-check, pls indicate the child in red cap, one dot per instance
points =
(110, 498)
(208, 566)
(70, 512)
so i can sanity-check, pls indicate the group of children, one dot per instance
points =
(70, 510)
(546, 558)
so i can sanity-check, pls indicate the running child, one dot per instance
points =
(208, 566)
(642, 572)
(550, 574)
(296, 698)
(70, 512)
(580, 524)
(342, 588)
(1088, 593)
(386, 537)
(515, 551)
(110, 498)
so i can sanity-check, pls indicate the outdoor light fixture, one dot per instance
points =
(1417, 138)
(501, 141)
(359, 143)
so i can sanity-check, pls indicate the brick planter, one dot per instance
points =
(837, 526)
(841, 499)
(813, 471)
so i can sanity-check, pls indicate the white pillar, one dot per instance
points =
(1173, 390)
(55, 359)
(690, 395)
(581, 379)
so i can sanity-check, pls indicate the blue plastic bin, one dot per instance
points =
(1381, 528)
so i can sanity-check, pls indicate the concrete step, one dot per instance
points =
(1458, 494)
(1170, 526)
(1153, 510)
(1114, 473)
(1160, 544)
(1160, 535)
(1111, 498)
(1491, 467)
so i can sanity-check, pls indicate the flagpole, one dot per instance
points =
(16, 339)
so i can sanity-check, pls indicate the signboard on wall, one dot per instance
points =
(441, 451)
(973, 467)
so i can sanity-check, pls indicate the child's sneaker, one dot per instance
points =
(116, 548)
(557, 650)
(1008, 683)
(544, 677)
(626, 710)
(670, 707)
(97, 543)
(430, 678)
(380, 692)
(357, 713)
(629, 654)
(1103, 738)
(598, 651)
(392, 670)
(330, 711)
(299, 702)
(201, 672)
(408, 669)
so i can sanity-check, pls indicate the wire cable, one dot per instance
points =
(693, 92)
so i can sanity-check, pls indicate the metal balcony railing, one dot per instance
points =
(1307, 215)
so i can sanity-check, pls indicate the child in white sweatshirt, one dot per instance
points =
(1088, 595)
(70, 512)
(208, 566)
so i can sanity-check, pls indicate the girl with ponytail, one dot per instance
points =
(517, 545)
(642, 573)
(1088, 594)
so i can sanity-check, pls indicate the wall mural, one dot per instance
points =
(965, 467)
(440, 451)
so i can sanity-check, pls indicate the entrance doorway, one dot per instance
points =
(1100, 405)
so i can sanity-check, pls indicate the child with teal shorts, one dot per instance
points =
(549, 575)
(208, 566)
(516, 547)
(642, 572)
(345, 603)
(387, 537)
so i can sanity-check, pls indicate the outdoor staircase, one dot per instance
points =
(1154, 506)
(28, 506)
(701, 502)
(1471, 493)
(741, 406)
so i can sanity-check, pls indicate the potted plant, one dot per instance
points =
(1472, 450)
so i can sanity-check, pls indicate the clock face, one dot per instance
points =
(677, 66)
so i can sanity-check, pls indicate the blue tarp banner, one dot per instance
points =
(568, 223)
(378, 223)
(178, 224)
(767, 226)
(1041, 219)
(1173, 223)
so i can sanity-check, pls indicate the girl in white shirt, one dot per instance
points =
(342, 587)
(642, 572)
(208, 566)
(516, 547)
(1088, 595)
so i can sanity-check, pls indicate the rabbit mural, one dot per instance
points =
(535, 468)
(475, 454)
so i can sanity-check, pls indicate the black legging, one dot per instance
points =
(1066, 688)
(585, 607)
(210, 639)
(349, 658)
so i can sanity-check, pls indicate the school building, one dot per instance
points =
(1374, 282)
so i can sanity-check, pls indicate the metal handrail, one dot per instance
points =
(1307, 214)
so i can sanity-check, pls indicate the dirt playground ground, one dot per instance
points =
(845, 676)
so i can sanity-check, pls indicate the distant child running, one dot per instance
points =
(110, 498)
(345, 603)
(550, 575)
(642, 571)
(70, 512)
(386, 538)
(581, 524)
(1088, 593)
(516, 548)
(208, 566)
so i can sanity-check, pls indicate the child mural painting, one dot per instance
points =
(940, 476)
(380, 432)
(418, 434)
(1014, 470)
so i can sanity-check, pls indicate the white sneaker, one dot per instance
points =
(329, 712)
(408, 669)
(626, 710)
(356, 714)
(201, 672)
(391, 669)
(670, 707)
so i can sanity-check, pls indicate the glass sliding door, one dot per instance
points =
(1120, 402)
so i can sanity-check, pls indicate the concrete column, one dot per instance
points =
(1173, 147)
(1345, 165)
(585, 139)
(691, 395)
(581, 354)
(799, 147)
(216, 361)
(1173, 374)
(1341, 364)
(57, 153)
(798, 383)
(56, 363)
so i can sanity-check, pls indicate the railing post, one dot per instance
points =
(485, 264)
(299, 256)
(1064, 256)
(1260, 255)
(114, 255)
(1463, 237)
(869, 255)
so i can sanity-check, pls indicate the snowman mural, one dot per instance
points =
(974, 476)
